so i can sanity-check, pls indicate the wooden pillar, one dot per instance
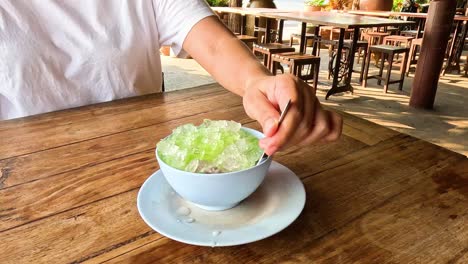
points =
(435, 39)
(234, 21)
(252, 21)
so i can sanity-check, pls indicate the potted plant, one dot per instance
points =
(376, 5)
(314, 5)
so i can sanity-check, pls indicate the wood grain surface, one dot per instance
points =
(69, 182)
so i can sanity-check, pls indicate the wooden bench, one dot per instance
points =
(296, 61)
(268, 49)
(247, 39)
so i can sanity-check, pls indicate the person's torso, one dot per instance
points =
(58, 54)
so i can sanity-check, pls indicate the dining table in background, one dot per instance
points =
(69, 183)
(341, 21)
(456, 46)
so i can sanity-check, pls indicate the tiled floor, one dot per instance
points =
(445, 125)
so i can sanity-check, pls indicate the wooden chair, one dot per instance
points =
(308, 36)
(248, 40)
(374, 38)
(416, 45)
(390, 52)
(296, 62)
(268, 49)
(396, 40)
(409, 33)
(399, 41)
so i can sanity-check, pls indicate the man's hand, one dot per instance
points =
(306, 121)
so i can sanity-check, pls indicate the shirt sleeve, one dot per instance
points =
(175, 19)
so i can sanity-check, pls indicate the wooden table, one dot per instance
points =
(342, 21)
(401, 14)
(456, 47)
(69, 182)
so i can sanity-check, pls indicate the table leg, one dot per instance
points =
(420, 26)
(242, 25)
(303, 37)
(316, 45)
(280, 31)
(351, 58)
(461, 44)
(452, 48)
(335, 89)
(268, 31)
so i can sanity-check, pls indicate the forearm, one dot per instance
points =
(227, 59)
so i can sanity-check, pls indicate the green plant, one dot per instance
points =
(218, 2)
(316, 2)
(398, 4)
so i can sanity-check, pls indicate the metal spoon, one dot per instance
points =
(283, 114)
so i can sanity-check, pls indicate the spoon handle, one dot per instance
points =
(283, 114)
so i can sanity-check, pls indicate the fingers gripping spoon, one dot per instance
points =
(283, 114)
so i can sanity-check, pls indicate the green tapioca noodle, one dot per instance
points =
(212, 147)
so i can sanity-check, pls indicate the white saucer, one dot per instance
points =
(272, 207)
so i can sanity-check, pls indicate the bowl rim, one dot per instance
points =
(222, 173)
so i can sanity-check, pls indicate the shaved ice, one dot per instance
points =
(215, 146)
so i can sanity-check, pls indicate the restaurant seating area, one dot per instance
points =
(347, 37)
(387, 51)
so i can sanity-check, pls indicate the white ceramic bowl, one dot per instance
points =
(218, 191)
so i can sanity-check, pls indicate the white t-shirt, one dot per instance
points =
(57, 54)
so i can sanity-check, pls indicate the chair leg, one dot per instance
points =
(265, 60)
(304, 45)
(299, 71)
(294, 70)
(359, 55)
(381, 68)
(366, 70)
(363, 66)
(268, 61)
(403, 70)
(316, 75)
(389, 72)
(410, 59)
(274, 67)
(330, 54)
